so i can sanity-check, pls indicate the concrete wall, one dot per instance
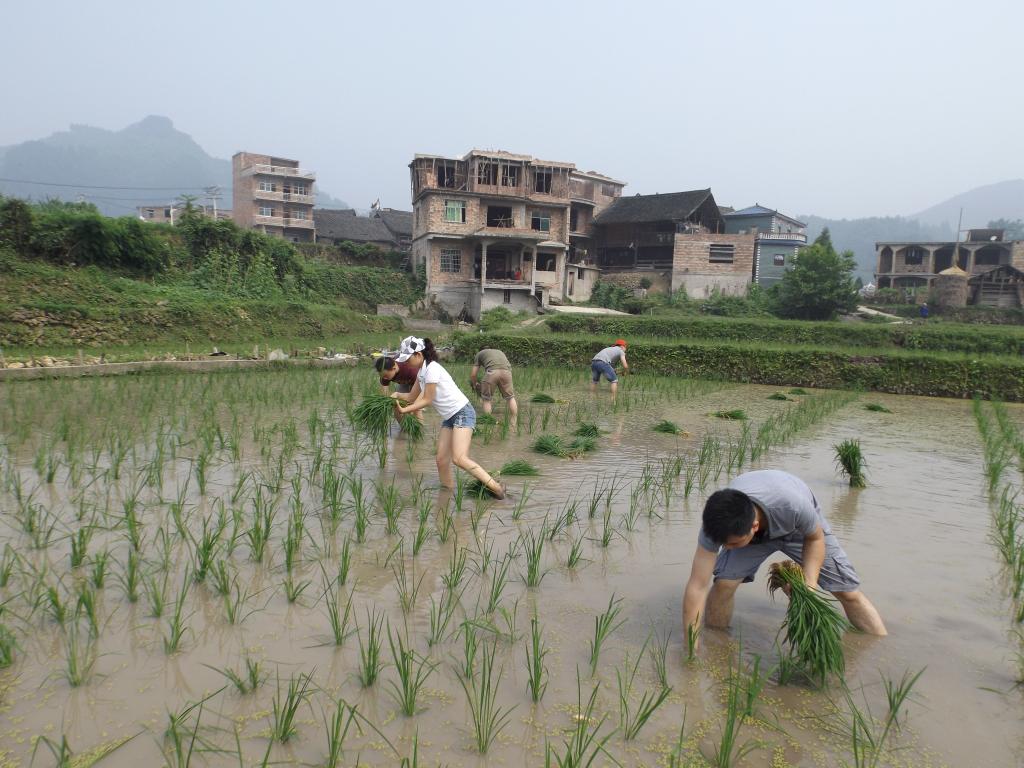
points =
(767, 272)
(693, 270)
(661, 282)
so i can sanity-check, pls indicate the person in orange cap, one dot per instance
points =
(604, 363)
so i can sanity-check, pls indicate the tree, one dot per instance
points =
(820, 284)
(1013, 229)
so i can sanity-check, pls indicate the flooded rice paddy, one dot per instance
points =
(216, 570)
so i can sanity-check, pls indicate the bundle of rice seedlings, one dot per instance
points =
(518, 467)
(876, 407)
(777, 396)
(373, 415)
(850, 461)
(587, 429)
(667, 427)
(412, 426)
(485, 419)
(736, 414)
(580, 445)
(552, 445)
(541, 397)
(813, 629)
(797, 391)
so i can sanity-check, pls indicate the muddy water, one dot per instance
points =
(918, 536)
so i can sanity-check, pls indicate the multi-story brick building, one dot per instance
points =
(991, 267)
(273, 195)
(676, 241)
(500, 229)
(777, 238)
(171, 213)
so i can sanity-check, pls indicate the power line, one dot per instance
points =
(96, 186)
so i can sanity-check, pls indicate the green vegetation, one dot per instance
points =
(820, 284)
(70, 277)
(901, 372)
(667, 427)
(813, 629)
(850, 460)
(876, 407)
(541, 397)
(734, 414)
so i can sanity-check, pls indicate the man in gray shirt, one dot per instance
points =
(760, 513)
(497, 375)
(603, 364)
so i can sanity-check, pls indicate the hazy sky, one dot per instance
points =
(832, 107)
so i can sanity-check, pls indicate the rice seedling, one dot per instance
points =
(80, 545)
(575, 555)
(412, 673)
(8, 647)
(345, 561)
(248, 679)
(79, 657)
(850, 461)
(667, 427)
(868, 735)
(536, 670)
(729, 751)
(587, 429)
(456, 570)
(735, 414)
(542, 397)
(567, 515)
(580, 446)
(522, 501)
(86, 605)
(659, 657)
(337, 728)
(481, 691)
(607, 529)
(390, 504)
(693, 639)
(294, 588)
(499, 580)
(286, 706)
(551, 445)
(408, 589)
(532, 542)
(176, 624)
(604, 624)
(440, 617)
(422, 528)
(518, 467)
(445, 524)
(470, 646)
(156, 591)
(412, 427)
(778, 396)
(55, 603)
(876, 407)
(798, 391)
(631, 720)
(370, 663)
(813, 629)
(181, 740)
(373, 417)
(584, 744)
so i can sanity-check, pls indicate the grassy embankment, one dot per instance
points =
(769, 360)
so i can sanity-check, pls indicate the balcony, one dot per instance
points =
(796, 237)
(295, 197)
(299, 223)
(264, 194)
(279, 170)
(269, 221)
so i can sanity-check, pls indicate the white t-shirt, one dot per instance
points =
(448, 398)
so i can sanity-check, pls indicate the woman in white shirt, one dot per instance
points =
(434, 385)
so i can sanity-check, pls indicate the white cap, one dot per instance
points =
(410, 345)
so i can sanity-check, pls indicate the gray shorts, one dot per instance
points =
(837, 572)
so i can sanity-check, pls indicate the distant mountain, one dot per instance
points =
(147, 163)
(860, 235)
(1004, 200)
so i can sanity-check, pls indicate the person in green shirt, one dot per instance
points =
(497, 375)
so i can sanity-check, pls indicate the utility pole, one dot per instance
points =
(213, 194)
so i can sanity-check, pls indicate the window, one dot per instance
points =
(487, 173)
(301, 215)
(510, 175)
(149, 213)
(913, 256)
(446, 175)
(499, 216)
(609, 190)
(507, 298)
(721, 254)
(264, 211)
(574, 220)
(451, 260)
(167, 213)
(779, 260)
(455, 211)
(545, 262)
(540, 221)
(296, 189)
(268, 186)
(542, 181)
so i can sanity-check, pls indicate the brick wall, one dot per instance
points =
(693, 270)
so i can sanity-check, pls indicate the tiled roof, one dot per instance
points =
(344, 224)
(638, 209)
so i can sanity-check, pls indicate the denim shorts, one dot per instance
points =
(837, 572)
(465, 418)
(600, 368)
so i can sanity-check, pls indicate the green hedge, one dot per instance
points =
(910, 373)
(997, 341)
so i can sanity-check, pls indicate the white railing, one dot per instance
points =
(297, 197)
(266, 194)
(301, 223)
(799, 237)
(274, 221)
(279, 170)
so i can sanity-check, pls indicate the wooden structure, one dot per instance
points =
(1002, 286)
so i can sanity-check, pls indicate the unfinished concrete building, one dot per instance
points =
(916, 265)
(676, 241)
(501, 229)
